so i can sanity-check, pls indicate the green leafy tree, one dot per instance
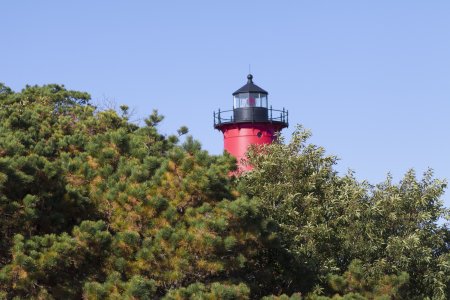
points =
(325, 221)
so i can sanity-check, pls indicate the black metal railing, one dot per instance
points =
(222, 117)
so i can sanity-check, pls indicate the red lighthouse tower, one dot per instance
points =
(250, 122)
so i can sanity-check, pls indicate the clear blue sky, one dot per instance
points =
(371, 79)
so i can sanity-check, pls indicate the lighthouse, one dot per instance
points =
(251, 122)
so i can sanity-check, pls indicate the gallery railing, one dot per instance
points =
(252, 115)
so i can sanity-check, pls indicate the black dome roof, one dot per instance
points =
(250, 87)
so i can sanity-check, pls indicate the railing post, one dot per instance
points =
(218, 117)
(271, 113)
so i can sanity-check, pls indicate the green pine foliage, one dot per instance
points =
(93, 206)
(210, 292)
(96, 207)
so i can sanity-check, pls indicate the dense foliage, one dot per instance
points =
(96, 207)
(331, 224)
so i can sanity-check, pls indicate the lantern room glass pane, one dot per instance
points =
(243, 100)
(236, 101)
(253, 100)
(264, 101)
(250, 100)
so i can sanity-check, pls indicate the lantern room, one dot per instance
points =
(251, 104)
(250, 95)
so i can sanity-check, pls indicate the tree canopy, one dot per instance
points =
(94, 206)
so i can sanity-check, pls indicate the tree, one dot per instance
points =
(96, 207)
(166, 214)
(326, 221)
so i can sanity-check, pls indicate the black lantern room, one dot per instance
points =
(250, 104)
